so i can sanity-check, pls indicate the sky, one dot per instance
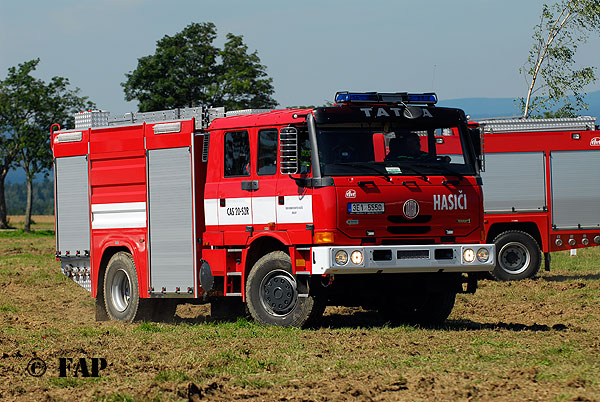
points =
(459, 49)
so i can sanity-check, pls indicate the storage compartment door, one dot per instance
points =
(171, 220)
(514, 181)
(72, 205)
(575, 189)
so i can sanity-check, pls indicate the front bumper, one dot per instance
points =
(404, 259)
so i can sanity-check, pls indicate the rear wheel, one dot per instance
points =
(275, 297)
(517, 256)
(121, 291)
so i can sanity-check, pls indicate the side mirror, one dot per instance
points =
(288, 150)
(477, 141)
(379, 147)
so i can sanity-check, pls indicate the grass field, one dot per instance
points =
(531, 340)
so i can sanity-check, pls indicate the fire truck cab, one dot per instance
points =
(283, 212)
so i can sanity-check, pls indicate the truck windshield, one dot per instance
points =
(361, 150)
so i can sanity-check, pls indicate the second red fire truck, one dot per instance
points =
(280, 211)
(541, 189)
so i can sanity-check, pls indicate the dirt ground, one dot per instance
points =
(536, 340)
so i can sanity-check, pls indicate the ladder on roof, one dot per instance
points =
(583, 123)
(202, 116)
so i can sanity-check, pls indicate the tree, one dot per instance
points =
(243, 82)
(187, 70)
(8, 151)
(553, 77)
(28, 108)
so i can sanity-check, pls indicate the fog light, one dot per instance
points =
(483, 255)
(356, 257)
(341, 257)
(469, 255)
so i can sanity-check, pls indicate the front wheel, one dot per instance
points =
(121, 291)
(275, 297)
(518, 256)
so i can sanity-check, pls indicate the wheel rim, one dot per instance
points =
(121, 290)
(514, 258)
(278, 293)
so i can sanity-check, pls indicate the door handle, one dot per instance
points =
(250, 185)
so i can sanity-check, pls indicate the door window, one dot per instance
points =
(267, 152)
(237, 154)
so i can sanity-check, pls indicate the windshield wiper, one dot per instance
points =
(409, 167)
(367, 165)
(444, 167)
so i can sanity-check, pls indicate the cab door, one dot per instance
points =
(234, 204)
(264, 195)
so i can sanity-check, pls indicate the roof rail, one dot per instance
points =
(202, 116)
(523, 125)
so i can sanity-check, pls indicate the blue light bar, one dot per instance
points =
(422, 98)
(382, 97)
(342, 97)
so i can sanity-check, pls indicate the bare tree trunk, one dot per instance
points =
(3, 217)
(27, 224)
(542, 53)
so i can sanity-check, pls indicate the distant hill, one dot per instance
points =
(481, 108)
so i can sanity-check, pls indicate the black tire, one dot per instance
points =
(517, 256)
(121, 290)
(437, 308)
(272, 294)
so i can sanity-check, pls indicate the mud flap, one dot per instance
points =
(101, 314)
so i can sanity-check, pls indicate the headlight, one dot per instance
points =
(469, 255)
(341, 257)
(483, 255)
(356, 257)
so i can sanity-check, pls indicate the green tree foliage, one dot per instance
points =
(28, 108)
(187, 70)
(556, 83)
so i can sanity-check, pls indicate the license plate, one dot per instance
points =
(366, 208)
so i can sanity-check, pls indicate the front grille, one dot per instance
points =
(412, 254)
(405, 242)
(408, 230)
(399, 219)
(382, 255)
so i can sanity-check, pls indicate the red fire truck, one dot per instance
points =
(282, 212)
(542, 193)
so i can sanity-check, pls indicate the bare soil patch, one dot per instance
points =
(535, 340)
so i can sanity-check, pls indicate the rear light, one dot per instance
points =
(324, 237)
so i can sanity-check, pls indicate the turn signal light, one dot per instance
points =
(324, 237)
